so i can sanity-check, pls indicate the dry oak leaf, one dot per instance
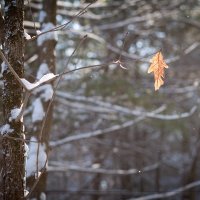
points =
(157, 67)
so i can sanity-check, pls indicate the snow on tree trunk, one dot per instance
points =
(46, 48)
(14, 146)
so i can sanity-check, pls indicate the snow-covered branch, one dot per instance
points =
(45, 79)
(125, 110)
(101, 131)
(56, 166)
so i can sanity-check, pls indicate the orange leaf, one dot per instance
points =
(157, 67)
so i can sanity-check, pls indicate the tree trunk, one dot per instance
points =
(192, 173)
(46, 49)
(13, 147)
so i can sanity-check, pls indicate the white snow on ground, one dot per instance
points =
(31, 164)
(38, 111)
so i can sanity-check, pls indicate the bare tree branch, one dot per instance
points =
(62, 26)
(138, 19)
(129, 111)
(109, 130)
(169, 194)
(11, 69)
(56, 166)
(133, 57)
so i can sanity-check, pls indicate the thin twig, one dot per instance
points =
(125, 110)
(109, 130)
(62, 26)
(37, 180)
(51, 101)
(12, 70)
(170, 193)
(123, 45)
(54, 91)
(76, 49)
(56, 166)
(27, 95)
(85, 67)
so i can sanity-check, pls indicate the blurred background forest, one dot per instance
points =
(112, 136)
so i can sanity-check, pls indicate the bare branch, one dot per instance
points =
(152, 16)
(62, 26)
(169, 194)
(11, 69)
(134, 57)
(85, 67)
(191, 22)
(56, 166)
(25, 102)
(129, 111)
(82, 106)
(109, 130)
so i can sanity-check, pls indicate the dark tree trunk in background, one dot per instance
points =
(192, 173)
(46, 55)
(13, 150)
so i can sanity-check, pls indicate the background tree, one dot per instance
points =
(46, 62)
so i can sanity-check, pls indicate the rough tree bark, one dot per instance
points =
(13, 149)
(1, 28)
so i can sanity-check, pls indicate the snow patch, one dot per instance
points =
(38, 111)
(46, 92)
(6, 129)
(4, 67)
(46, 78)
(6, 8)
(27, 36)
(38, 32)
(26, 150)
(43, 69)
(43, 196)
(14, 113)
(26, 192)
(52, 35)
(31, 165)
